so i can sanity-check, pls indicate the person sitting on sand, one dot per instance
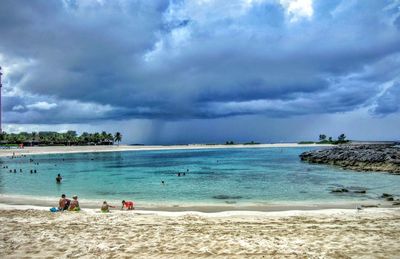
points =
(58, 178)
(106, 207)
(128, 205)
(63, 203)
(74, 206)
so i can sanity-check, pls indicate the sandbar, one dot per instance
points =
(115, 148)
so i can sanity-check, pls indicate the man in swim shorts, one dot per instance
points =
(128, 205)
(63, 203)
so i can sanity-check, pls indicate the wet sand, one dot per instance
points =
(35, 232)
(115, 148)
(203, 207)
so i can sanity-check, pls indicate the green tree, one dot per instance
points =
(322, 137)
(342, 138)
(118, 137)
(97, 138)
(3, 136)
(71, 137)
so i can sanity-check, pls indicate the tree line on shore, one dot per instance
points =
(323, 139)
(68, 138)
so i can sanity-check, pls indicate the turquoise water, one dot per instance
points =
(213, 176)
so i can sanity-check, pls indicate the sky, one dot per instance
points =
(203, 71)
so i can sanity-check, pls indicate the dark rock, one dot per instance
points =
(396, 203)
(386, 195)
(390, 199)
(360, 191)
(340, 190)
(361, 157)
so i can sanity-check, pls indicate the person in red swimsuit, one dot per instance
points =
(128, 205)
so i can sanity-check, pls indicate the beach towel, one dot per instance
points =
(54, 209)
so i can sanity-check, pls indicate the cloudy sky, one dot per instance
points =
(203, 70)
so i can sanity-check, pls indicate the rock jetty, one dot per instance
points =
(360, 157)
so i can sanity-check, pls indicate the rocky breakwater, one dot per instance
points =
(361, 157)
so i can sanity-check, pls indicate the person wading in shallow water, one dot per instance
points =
(58, 178)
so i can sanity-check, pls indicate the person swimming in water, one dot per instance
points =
(58, 178)
(128, 205)
(106, 207)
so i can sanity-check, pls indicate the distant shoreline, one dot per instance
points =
(115, 148)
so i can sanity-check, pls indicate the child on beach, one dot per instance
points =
(106, 207)
(74, 206)
(128, 205)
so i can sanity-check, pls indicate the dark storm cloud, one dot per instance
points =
(178, 59)
(389, 102)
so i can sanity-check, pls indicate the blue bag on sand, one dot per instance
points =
(54, 209)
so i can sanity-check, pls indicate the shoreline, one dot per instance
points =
(222, 209)
(94, 149)
(225, 213)
(206, 207)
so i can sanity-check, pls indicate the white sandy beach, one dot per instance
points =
(115, 148)
(35, 232)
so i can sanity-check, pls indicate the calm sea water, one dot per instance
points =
(213, 176)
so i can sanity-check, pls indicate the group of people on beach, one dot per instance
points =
(128, 205)
(65, 204)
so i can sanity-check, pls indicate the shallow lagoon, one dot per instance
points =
(246, 176)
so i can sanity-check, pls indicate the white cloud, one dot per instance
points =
(42, 106)
(298, 9)
(18, 108)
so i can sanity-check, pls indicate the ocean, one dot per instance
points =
(208, 177)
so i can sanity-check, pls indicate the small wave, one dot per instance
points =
(106, 193)
(226, 197)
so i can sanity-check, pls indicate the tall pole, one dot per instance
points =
(1, 130)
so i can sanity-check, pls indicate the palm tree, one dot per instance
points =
(110, 139)
(118, 137)
(97, 138)
(32, 138)
(342, 138)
